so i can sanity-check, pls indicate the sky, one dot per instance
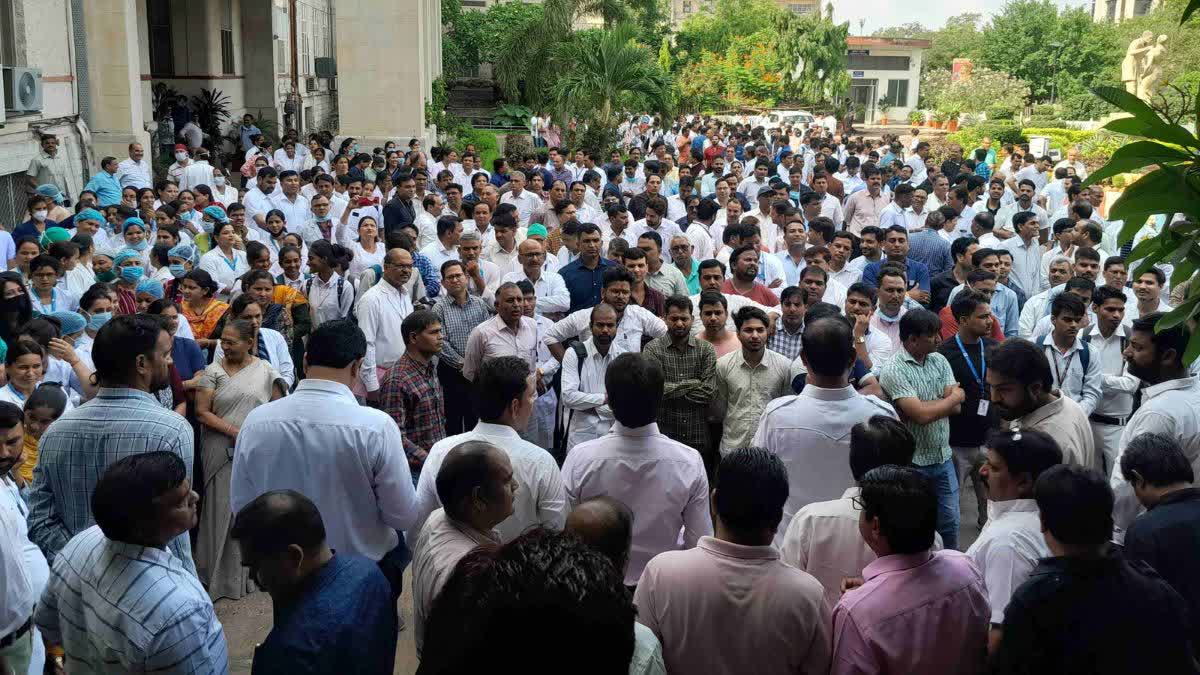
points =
(930, 13)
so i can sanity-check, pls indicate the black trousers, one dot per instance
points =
(456, 395)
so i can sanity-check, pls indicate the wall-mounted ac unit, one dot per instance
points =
(333, 84)
(22, 89)
(310, 84)
(325, 66)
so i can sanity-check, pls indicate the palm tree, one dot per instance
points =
(607, 72)
(611, 12)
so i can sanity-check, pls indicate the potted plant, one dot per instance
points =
(884, 106)
(916, 117)
(937, 118)
(952, 120)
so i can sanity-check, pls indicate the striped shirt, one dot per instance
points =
(122, 608)
(78, 447)
(457, 323)
(905, 377)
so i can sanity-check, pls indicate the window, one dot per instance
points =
(162, 56)
(1142, 7)
(872, 62)
(282, 28)
(801, 9)
(227, 39)
(306, 40)
(8, 35)
(897, 93)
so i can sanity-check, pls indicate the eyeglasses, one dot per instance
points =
(859, 504)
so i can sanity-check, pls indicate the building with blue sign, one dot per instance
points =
(884, 68)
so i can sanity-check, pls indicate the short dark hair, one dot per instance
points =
(864, 289)
(958, 247)
(275, 520)
(1026, 451)
(905, 503)
(1176, 337)
(982, 254)
(635, 389)
(1082, 283)
(1103, 294)
(828, 346)
(1075, 504)
(498, 383)
(1156, 459)
(119, 344)
(1087, 253)
(336, 344)
(752, 488)
(417, 322)
(1069, 303)
(966, 303)
(682, 302)
(124, 496)
(747, 313)
(879, 441)
(919, 322)
(1021, 360)
(615, 275)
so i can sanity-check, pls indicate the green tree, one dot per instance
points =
(714, 31)
(664, 55)
(815, 49)
(959, 38)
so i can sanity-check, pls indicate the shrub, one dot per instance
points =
(1047, 123)
(1085, 106)
(484, 141)
(1001, 133)
(1000, 112)
(516, 146)
(1046, 110)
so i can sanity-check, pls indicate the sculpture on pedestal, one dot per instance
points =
(1141, 70)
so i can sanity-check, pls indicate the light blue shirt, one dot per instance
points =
(1004, 306)
(107, 188)
(124, 608)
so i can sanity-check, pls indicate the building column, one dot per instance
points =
(117, 115)
(386, 46)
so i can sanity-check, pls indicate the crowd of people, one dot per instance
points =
(720, 376)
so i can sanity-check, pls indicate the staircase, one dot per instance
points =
(474, 100)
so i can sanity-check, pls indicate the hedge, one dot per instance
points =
(1094, 145)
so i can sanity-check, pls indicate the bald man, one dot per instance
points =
(553, 298)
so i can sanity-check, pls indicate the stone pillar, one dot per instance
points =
(385, 70)
(118, 117)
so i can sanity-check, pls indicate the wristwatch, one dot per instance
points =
(860, 340)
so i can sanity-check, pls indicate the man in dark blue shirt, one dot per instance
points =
(895, 249)
(334, 613)
(585, 276)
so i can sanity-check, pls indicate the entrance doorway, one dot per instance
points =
(864, 94)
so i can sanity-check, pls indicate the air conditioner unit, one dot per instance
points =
(22, 89)
(325, 66)
(310, 84)
(333, 84)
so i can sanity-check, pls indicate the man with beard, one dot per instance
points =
(689, 366)
(132, 354)
(1021, 384)
(744, 282)
(1170, 403)
(583, 368)
(749, 378)
(633, 322)
(1076, 372)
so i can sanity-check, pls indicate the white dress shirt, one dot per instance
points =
(832, 208)
(195, 174)
(1027, 263)
(526, 202)
(635, 322)
(701, 240)
(811, 434)
(439, 254)
(295, 213)
(661, 480)
(552, 294)
(348, 459)
(20, 584)
(1005, 215)
(1070, 377)
(225, 274)
(443, 542)
(325, 301)
(894, 214)
(1007, 550)
(257, 203)
(135, 174)
(380, 315)
(539, 499)
(823, 539)
(583, 393)
(278, 353)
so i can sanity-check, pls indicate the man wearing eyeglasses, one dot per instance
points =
(681, 255)
(380, 316)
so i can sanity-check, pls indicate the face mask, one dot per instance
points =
(177, 270)
(132, 273)
(106, 276)
(207, 226)
(11, 305)
(219, 181)
(181, 156)
(321, 219)
(97, 320)
(140, 246)
(40, 214)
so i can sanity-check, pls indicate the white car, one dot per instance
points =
(793, 117)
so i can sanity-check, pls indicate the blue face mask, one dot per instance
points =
(140, 246)
(132, 274)
(177, 270)
(321, 219)
(207, 226)
(97, 320)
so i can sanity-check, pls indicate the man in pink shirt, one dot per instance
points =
(661, 480)
(914, 611)
(730, 606)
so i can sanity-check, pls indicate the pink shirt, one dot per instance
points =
(921, 613)
(726, 609)
(661, 480)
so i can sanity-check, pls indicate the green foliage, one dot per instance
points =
(916, 117)
(1000, 133)
(1078, 103)
(746, 74)
(998, 111)
(818, 47)
(1180, 63)
(485, 143)
(959, 38)
(211, 108)
(461, 41)
(664, 55)
(986, 89)
(512, 115)
(714, 31)
(1170, 155)
(516, 146)
(437, 113)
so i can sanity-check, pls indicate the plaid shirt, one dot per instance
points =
(691, 383)
(77, 448)
(457, 323)
(786, 343)
(412, 395)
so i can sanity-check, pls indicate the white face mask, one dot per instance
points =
(40, 214)
(181, 156)
(219, 181)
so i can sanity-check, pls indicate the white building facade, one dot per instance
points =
(884, 68)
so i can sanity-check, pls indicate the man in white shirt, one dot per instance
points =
(381, 313)
(526, 202)
(900, 211)
(662, 481)
(811, 431)
(588, 415)
(289, 157)
(1011, 543)
(505, 393)
(449, 232)
(295, 206)
(752, 184)
(1076, 373)
(135, 171)
(916, 162)
(553, 299)
(633, 321)
(364, 489)
(1107, 338)
(258, 198)
(831, 208)
(196, 173)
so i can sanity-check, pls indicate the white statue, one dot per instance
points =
(1132, 67)
(1152, 69)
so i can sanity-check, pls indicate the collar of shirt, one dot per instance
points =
(1050, 409)
(691, 343)
(728, 549)
(824, 394)
(326, 387)
(895, 563)
(1170, 385)
(125, 392)
(1075, 346)
(333, 279)
(996, 510)
(642, 431)
(1184, 495)
(160, 556)
(1120, 332)
(491, 429)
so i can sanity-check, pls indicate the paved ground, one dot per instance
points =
(247, 621)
